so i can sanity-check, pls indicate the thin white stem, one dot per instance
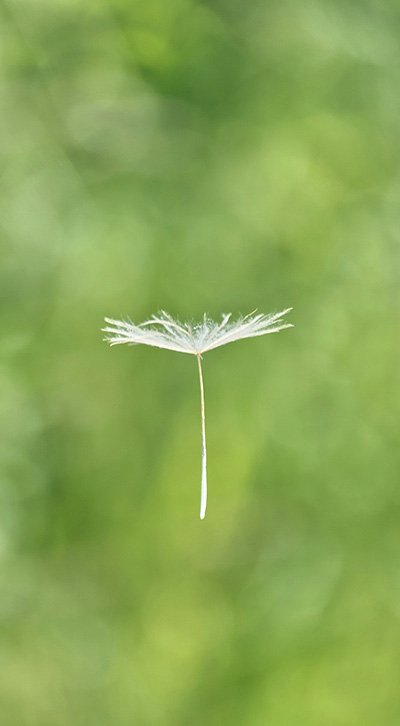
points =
(203, 497)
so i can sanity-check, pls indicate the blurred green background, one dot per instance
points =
(199, 156)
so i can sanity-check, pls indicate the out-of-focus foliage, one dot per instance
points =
(200, 156)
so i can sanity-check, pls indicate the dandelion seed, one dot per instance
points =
(162, 331)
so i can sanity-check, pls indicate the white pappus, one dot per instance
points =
(162, 331)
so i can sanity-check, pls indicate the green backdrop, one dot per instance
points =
(199, 157)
